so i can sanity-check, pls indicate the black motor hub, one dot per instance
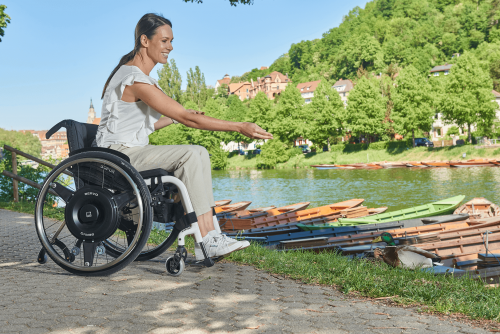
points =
(92, 214)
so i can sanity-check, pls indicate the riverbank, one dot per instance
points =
(371, 155)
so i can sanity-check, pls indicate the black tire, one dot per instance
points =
(135, 181)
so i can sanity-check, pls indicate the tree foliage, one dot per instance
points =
(196, 89)
(468, 98)
(365, 111)
(412, 103)
(4, 20)
(170, 80)
(25, 142)
(324, 113)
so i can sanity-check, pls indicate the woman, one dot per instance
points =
(133, 103)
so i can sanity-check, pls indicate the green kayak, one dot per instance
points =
(443, 207)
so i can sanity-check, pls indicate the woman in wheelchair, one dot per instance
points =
(133, 104)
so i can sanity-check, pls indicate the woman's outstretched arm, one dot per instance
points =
(165, 105)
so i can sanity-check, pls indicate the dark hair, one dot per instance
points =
(147, 25)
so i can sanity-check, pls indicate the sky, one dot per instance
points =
(56, 55)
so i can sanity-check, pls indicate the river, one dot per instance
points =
(397, 188)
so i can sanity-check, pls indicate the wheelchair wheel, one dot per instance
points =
(80, 208)
(158, 242)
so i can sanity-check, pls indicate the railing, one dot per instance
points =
(16, 178)
(484, 141)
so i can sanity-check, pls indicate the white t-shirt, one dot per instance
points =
(126, 123)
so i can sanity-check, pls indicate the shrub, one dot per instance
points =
(273, 152)
(218, 160)
(453, 131)
(294, 151)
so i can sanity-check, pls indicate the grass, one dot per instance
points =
(370, 155)
(361, 277)
(440, 293)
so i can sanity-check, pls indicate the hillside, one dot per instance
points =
(400, 32)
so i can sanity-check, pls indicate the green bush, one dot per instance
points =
(218, 160)
(273, 152)
(453, 130)
(380, 145)
(294, 151)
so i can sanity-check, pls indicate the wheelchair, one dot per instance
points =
(95, 212)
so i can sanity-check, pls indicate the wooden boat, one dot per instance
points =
(472, 164)
(290, 227)
(324, 166)
(479, 207)
(459, 242)
(337, 231)
(345, 167)
(393, 164)
(223, 202)
(436, 164)
(232, 207)
(427, 210)
(256, 212)
(228, 222)
(322, 211)
(415, 164)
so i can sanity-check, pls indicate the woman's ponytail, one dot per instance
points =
(147, 25)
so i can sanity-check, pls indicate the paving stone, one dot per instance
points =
(142, 298)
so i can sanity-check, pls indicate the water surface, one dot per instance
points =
(396, 188)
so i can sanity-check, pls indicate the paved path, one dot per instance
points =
(142, 298)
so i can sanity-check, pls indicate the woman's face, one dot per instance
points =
(160, 45)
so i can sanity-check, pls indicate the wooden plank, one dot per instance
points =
(27, 181)
(15, 186)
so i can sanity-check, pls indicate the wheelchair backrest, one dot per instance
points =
(80, 135)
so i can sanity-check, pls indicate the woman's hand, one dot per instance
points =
(253, 131)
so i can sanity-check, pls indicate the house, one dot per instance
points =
(242, 89)
(343, 87)
(224, 81)
(440, 70)
(307, 90)
(272, 84)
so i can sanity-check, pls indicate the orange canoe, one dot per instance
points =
(321, 211)
(436, 164)
(223, 202)
(232, 207)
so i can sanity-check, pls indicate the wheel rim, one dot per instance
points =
(49, 230)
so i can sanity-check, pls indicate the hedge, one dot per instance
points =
(380, 145)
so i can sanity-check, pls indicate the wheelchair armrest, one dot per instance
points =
(101, 149)
(148, 174)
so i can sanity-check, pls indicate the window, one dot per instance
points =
(278, 87)
(343, 94)
(436, 74)
(307, 88)
(247, 90)
(247, 96)
(446, 72)
(301, 89)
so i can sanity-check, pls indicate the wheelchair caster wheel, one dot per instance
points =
(42, 257)
(174, 267)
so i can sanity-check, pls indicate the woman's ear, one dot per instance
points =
(144, 41)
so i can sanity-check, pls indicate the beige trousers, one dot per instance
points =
(189, 163)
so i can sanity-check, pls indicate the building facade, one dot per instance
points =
(307, 90)
(343, 87)
(224, 81)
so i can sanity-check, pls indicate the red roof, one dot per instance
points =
(312, 85)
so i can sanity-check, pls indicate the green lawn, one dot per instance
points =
(370, 155)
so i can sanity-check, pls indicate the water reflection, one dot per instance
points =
(396, 188)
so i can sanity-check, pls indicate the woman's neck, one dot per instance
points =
(142, 61)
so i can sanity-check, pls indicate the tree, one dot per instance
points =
(412, 103)
(4, 20)
(366, 110)
(25, 142)
(290, 121)
(468, 95)
(196, 90)
(170, 80)
(261, 111)
(231, 2)
(324, 112)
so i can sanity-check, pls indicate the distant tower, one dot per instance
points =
(91, 117)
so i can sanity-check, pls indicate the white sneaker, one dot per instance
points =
(244, 243)
(197, 248)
